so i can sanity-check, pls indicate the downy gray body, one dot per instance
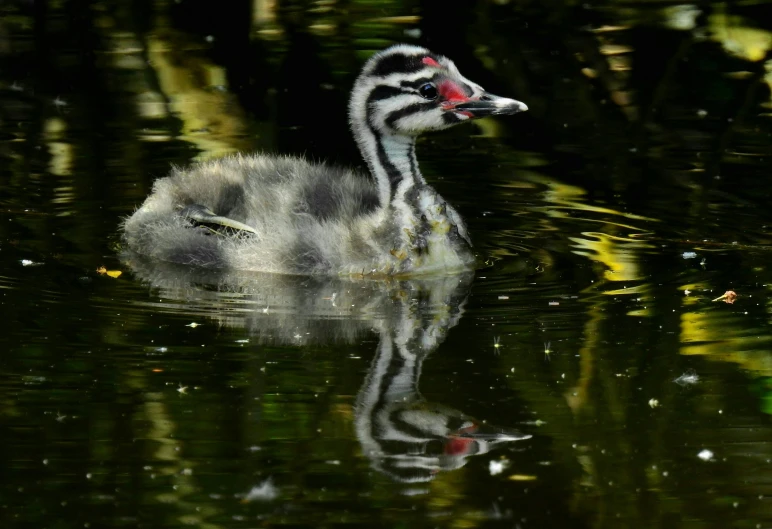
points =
(287, 215)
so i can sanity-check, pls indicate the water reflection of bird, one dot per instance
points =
(402, 434)
(287, 215)
(405, 436)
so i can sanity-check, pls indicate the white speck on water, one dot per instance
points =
(193, 325)
(496, 467)
(266, 491)
(688, 378)
(705, 454)
(702, 113)
(689, 255)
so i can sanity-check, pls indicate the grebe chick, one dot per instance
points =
(285, 215)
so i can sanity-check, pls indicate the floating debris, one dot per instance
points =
(503, 297)
(193, 325)
(727, 297)
(522, 477)
(688, 378)
(111, 273)
(27, 262)
(689, 255)
(496, 467)
(653, 403)
(266, 491)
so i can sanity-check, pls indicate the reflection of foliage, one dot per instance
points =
(762, 386)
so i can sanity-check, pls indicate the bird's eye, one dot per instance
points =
(428, 91)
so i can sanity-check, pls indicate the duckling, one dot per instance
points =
(286, 215)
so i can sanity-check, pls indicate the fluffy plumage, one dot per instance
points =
(306, 218)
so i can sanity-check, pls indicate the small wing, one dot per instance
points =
(202, 216)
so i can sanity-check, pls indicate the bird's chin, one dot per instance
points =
(463, 114)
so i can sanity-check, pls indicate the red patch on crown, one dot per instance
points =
(430, 62)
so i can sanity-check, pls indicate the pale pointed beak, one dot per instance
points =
(490, 105)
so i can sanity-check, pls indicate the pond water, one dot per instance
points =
(587, 374)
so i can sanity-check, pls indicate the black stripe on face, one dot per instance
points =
(400, 63)
(406, 111)
(417, 83)
(381, 92)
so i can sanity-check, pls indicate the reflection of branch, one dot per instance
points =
(576, 397)
(599, 55)
(733, 122)
(658, 94)
(173, 465)
(197, 92)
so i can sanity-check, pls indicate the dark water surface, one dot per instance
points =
(582, 377)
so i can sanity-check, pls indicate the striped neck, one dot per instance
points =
(392, 162)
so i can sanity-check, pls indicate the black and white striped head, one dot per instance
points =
(406, 90)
